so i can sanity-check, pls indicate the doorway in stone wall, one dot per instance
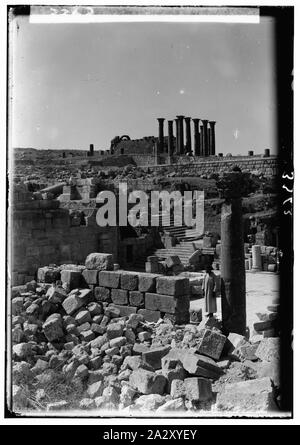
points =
(129, 254)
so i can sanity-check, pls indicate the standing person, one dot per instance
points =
(209, 287)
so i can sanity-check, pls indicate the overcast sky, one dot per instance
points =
(76, 84)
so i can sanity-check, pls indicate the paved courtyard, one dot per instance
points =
(261, 289)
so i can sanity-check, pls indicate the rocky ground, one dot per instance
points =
(73, 352)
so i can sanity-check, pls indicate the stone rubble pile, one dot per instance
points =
(83, 348)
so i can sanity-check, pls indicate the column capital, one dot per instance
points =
(212, 123)
(204, 121)
(187, 118)
(160, 119)
(196, 120)
(180, 117)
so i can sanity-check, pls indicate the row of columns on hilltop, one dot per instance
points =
(204, 137)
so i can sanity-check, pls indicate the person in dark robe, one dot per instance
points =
(209, 287)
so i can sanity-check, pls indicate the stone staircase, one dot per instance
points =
(183, 249)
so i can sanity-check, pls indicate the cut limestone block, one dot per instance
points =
(136, 298)
(147, 282)
(148, 382)
(175, 286)
(119, 296)
(151, 267)
(268, 349)
(109, 278)
(129, 281)
(211, 343)
(151, 316)
(90, 276)
(250, 396)
(154, 355)
(71, 278)
(99, 261)
(194, 364)
(53, 327)
(172, 260)
(166, 303)
(48, 274)
(102, 294)
(76, 299)
(263, 325)
(198, 389)
(125, 311)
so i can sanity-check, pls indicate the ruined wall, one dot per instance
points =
(42, 233)
(191, 166)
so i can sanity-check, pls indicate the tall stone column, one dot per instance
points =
(233, 287)
(212, 138)
(160, 134)
(205, 137)
(201, 141)
(209, 140)
(170, 138)
(181, 141)
(177, 136)
(188, 141)
(91, 149)
(196, 137)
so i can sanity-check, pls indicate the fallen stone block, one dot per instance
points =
(119, 296)
(83, 316)
(102, 294)
(250, 396)
(71, 278)
(114, 330)
(194, 364)
(150, 316)
(268, 349)
(166, 303)
(211, 344)
(90, 276)
(99, 261)
(95, 389)
(76, 300)
(87, 335)
(95, 309)
(139, 348)
(17, 305)
(263, 325)
(84, 327)
(154, 355)
(177, 388)
(48, 274)
(233, 341)
(149, 402)
(125, 311)
(198, 389)
(53, 327)
(136, 298)
(109, 279)
(147, 382)
(129, 281)
(273, 307)
(147, 282)
(245, 351)
(56, 294)
(175, 286)
(111, 311)
(171, 406)
(151, 267)
(172, 260)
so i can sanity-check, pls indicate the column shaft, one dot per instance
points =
(188, 141)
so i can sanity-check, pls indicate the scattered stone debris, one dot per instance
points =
(128, 343)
